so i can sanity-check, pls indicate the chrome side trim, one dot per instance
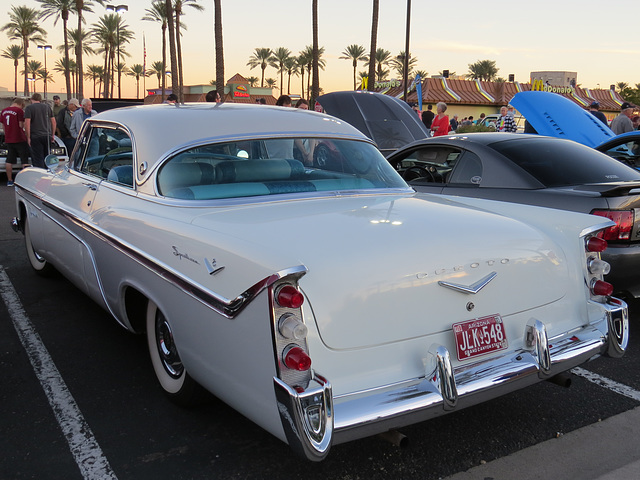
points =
(228, 308)
(307, 417)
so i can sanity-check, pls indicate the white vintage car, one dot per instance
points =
(275, 258)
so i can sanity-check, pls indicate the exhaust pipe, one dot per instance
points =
(395, 438)
(562, 379)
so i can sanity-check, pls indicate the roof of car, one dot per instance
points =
(158, 130)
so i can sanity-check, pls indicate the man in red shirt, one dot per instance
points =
(14, 136)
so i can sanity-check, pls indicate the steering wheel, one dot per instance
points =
(112, 153)
(413, 173)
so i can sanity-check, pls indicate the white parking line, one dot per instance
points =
(84, 447)
(607, 383)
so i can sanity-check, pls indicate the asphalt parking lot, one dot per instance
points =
(79, 400)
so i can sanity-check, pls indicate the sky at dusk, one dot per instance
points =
(587, 37)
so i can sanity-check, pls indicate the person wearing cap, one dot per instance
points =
(593, 109)
(57, 106)
(622, 123)
(63, 122)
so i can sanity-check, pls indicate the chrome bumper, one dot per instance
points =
(314, 419)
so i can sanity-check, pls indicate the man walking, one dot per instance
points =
(39, 127)
(622, 123)
(63, 120)
(80, 116)
(14, 137)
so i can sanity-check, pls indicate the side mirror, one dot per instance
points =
(51, 161)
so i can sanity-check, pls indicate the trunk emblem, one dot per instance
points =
(470, 289)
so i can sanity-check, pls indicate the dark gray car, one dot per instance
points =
(536, 170)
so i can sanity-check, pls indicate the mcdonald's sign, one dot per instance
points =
(540, 86)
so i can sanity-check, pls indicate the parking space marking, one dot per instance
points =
(83, 445)
(607, 383)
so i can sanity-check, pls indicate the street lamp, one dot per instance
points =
(118, 9)
(45, 48)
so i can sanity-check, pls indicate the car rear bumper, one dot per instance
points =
(313, 420)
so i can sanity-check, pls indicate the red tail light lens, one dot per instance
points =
(596, 244)
(624, 224)
(600, 287)
(289, 297)
(297, 359)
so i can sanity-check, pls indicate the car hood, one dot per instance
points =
(556, 116)
(389, 122)
(374, 265)
(619, 140)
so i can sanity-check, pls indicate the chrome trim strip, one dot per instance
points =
(228, 308)
(471, 289)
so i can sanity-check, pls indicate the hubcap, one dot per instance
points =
(167, 348)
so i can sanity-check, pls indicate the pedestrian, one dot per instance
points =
(416, 108)
(506, 123)
(593, 109)
(63, 121)
(171, 99)
(57, 106)
(622, 123)
(212, 96)
(14, 136)
(39, 127)
(440, 125)
(427, 117)
(454, 123)
(283, 101)
(303, 104)
(480, 120)
(80, 115)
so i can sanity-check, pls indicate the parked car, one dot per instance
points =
(389, 122)
(324, 300)
(491, 119)
(57, 149)
(536, 170)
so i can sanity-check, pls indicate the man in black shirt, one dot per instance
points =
(427, 117)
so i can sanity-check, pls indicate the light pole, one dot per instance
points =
(118, 9)
(45, 48)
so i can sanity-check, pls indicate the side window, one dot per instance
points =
(467, 171)
(108, 155)
(430, 164)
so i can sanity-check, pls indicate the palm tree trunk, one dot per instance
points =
(374, 40)
(219, 47)
(79, 66)
(164, 61)
(106, 72)
(179, 51)
(302, 82)
(15, 76)
(25, 43)
(172, 47)
(316, 55)
(355, 66)
(67, 73)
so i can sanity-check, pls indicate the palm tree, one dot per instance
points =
(310, 66)
(158, 13)
(355, 53)
(136, 71)
(94, 73)
(315, 89)
(172, 49)
(291, 67)
(398, 64)
(177, 7)
(302, 60)
(217, 28)
(277, 60)
(272, 82)
(373, 50)
(483, 70)
(82, 6)
(158, 69)
(383, 57)
(110, 33)
(86, 49)
(24, 25)
(252, 81)
(14, 52)
(60, 9)
(34, 68)
(260, 57)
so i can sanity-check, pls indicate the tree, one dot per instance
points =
(291, 67)
(260, 58)
(355, 53)
(158, 13)
(277, 60)
(136, 71)
(483, 70)
(217, 28)
(111, 34)
(14, 52)
(308, 55)
(84, 37)
(371, 75)
(34, 68)
(172, 49)
(64, 67)
(252, 81)
(271, 82)
(82, 6)
(94, 73)
(397, 64)
(158, 69)
(315, 89)
(177, 8)
(383, 57)
(302, 60)
(60, 9)
(24, 25)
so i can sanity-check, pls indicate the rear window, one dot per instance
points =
(558, 163)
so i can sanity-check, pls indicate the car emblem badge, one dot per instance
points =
(212, 266)
(470, 289)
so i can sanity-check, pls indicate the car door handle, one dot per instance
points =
(91, 186)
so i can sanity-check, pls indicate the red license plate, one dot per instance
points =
(479, 337)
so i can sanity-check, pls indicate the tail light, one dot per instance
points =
(594, 245)
(601, 288)
(289, 296)
(296, 358)
(623, 224)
